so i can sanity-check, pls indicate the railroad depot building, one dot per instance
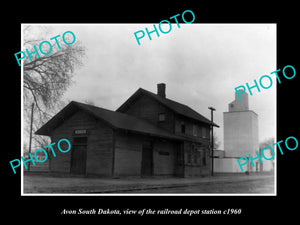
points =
(147, 135)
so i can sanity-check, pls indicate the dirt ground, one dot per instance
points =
(265, 186)
(35, 183)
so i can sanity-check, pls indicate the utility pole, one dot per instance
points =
(30, 134)
(212, 139)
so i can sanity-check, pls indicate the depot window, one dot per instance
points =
(195, 130)
(161, 117)
(182, 127)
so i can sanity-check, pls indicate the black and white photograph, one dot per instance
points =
(162, 117)
(184, 113)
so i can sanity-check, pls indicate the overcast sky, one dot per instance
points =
(201, 65)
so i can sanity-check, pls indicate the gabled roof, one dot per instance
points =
(176, 107)
(114, 119)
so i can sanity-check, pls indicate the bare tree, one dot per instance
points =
(46, 77)
(267, 142)
(267, 152)
(216, 142)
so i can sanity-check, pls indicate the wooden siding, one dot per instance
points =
(99, 144)
(119, 153)
(149, 109)
(164, 157)
(195, 165)
(189, 123)
(128, 154)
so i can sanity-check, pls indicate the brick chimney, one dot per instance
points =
(161, 90)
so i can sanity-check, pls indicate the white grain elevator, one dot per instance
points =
(240, 136)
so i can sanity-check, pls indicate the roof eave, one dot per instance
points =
(47, 128)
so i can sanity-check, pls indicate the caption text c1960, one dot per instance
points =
(148, 211)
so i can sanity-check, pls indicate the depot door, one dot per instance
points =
(78, 158)
(147, 159)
